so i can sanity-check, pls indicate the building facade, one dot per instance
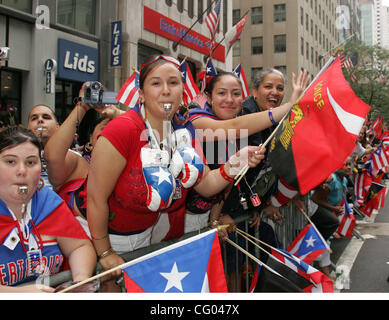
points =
(54, 46)
(154, 26)
(287, 35)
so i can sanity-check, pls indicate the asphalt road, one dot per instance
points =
(368, 259)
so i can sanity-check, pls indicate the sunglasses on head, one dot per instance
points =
(161, 57)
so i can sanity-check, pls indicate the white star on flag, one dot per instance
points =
(310, 242)
(174, 278)
(162, 176)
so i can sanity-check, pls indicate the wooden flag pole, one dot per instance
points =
(242, 173)
(97, 276)
(244, 251)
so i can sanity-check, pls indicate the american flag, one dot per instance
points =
(190, 88)
(129, 92)
(212, 20)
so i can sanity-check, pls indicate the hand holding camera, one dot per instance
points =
(96, 97)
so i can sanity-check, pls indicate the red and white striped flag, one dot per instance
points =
(129, 92)
(240, 74)
(283, 194)
(212, 20)
(347, 221)
(362, 182)
(190, 88)
(233, 34)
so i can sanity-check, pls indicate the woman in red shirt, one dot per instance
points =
(136, 194)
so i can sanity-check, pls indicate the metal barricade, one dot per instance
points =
(293, 222)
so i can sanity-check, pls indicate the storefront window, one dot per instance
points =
(77, 14)
(22, 5)
(65, 92)
(10, 98)
(144, 52)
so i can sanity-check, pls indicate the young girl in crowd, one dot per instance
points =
(38, 229)
(138, 179)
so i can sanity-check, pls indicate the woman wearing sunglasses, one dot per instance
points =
(144, 163)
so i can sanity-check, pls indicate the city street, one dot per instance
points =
(368, 259)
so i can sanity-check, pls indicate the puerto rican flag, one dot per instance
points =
(308, 245)
(362, 181)
(190, 88)
(347, 221)
(240, 74)
(320, 282)
(129, 92)
(207, 74)
(191, 265)
(380, 159)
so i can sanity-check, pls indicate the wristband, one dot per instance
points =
(271, 117)
(224, 175)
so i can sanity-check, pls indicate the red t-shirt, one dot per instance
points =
(128, 211)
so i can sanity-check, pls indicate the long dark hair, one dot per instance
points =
(15, 135)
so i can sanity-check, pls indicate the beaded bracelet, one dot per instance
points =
(224, 175)
(271, 117)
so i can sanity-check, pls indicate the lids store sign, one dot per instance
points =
(77, 62)
(172, 30)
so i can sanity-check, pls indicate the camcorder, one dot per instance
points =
(96, 96)
(4, 53)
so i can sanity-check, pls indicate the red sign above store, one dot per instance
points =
(172, 30)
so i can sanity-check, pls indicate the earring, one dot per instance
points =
(42, 184)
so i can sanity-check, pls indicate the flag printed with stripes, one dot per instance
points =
(191, 265)
(129, 92)
(320, 283)
(347, 221)
(233, 34)
(308, 244)
(283, 194)
(190, 88)
(212, 20)
(319, 133)
(362, 181)
(240, 74)
(380, 159)
(207, 74)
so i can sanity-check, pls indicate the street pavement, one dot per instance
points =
(367, 260)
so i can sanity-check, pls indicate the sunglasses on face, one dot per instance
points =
(161, 57)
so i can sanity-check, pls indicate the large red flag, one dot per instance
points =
(319, 132)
